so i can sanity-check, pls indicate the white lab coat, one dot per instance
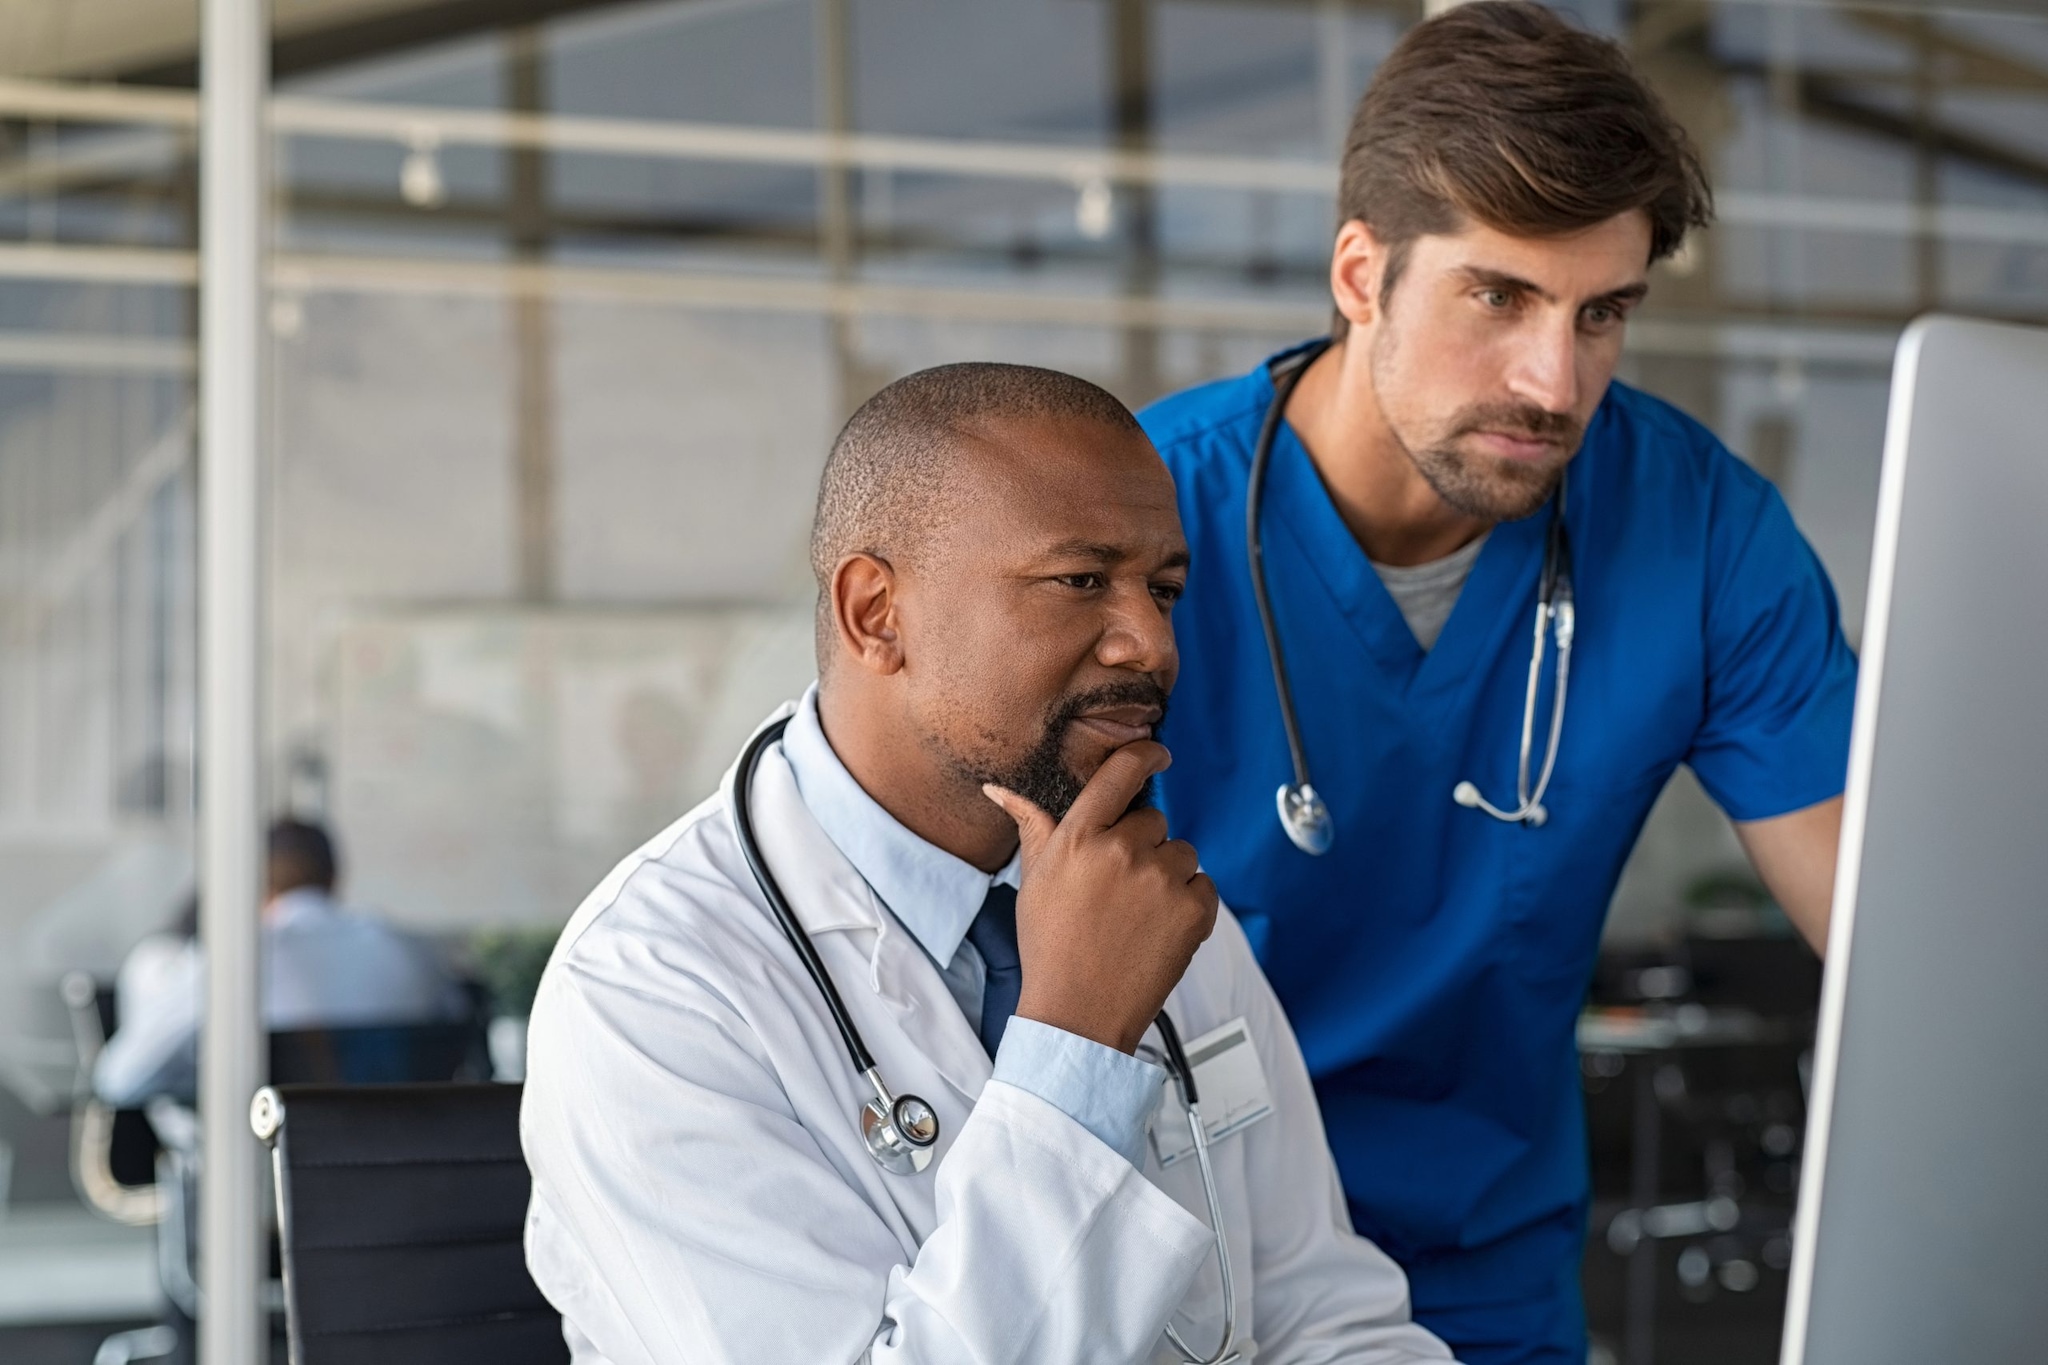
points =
(701, 1192)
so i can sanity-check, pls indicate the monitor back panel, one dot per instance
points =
(1923, 1223)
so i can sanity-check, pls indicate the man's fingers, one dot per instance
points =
(1034, 826)
(1180, 859)
(1147, 827)
(1122, 776)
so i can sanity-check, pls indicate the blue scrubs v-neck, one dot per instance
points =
(1434, 961)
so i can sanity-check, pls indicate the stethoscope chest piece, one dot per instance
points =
(901, 1136)
(1305, 818)
(899, 1131)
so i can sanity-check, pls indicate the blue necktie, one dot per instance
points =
(994, 936)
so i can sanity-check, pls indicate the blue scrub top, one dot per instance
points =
(1434, 961)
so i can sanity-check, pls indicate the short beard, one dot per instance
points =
(1041, 775)
(1488, 490)
(1498, 490)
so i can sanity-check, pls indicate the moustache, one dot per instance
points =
(1131, 692)
(1520, 419)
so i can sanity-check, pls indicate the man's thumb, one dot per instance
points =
(1034, 826)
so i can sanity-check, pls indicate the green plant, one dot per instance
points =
(509, 963)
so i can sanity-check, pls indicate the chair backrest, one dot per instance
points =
(400, 1211)
(379, 1054)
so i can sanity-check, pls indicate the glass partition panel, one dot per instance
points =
(571, 298)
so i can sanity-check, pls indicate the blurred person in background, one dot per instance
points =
(1507, 184)
(324, 966)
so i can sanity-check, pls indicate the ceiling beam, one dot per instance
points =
(304, 51)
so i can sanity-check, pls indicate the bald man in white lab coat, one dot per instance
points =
(955, 815)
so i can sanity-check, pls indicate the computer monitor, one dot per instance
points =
(1922, 1230)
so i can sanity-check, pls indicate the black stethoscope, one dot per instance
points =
(901, 1130)
(1302, 812)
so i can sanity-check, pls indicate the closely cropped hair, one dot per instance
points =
(882, 492)
(1500, 112)
(300, 854)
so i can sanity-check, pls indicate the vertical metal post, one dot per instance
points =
(1645, 1181)
(528, 220)
(1334, 96)
(1130, 73)
(837, 231)
(1926, 164)
(1786, 175)
(234, 73)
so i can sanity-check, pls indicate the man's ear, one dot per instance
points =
(1357, 264)
(864, 589)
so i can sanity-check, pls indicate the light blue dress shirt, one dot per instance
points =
(936, 897)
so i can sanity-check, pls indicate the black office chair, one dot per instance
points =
(400, 1209)
(380, 1054)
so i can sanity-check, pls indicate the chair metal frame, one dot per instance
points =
(92, 1122)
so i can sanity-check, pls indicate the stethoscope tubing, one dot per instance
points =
(1554, 608)
(778, 904)
(1255, 550)
(864, 1062)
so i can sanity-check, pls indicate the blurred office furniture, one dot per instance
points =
(140, 1167)
(384, 1054)
(122, 1171)
(401, 1210)
(113, 1151)
(1693, 1057)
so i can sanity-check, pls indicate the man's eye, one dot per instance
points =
(1168, 593)
(1496, 298)
(1086, 582)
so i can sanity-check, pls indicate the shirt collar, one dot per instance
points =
(301, 902)
(933, 893)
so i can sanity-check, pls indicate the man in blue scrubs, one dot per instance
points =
(1507, 184)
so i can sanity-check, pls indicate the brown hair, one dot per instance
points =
(1500, 111)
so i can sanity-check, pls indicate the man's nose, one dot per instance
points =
(1546, 369)
(1138, 634)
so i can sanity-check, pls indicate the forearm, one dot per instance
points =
(1795, 854)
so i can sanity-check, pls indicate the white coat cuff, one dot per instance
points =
(1109, 1093)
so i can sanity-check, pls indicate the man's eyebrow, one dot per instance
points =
(1084, 549)
(1484, 277)
(1103, 553)
(1628, 293)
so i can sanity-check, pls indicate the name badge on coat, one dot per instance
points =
(1230, 1087)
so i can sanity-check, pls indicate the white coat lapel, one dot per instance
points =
(828, 897)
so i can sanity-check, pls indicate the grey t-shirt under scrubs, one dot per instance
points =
(1425, 593)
